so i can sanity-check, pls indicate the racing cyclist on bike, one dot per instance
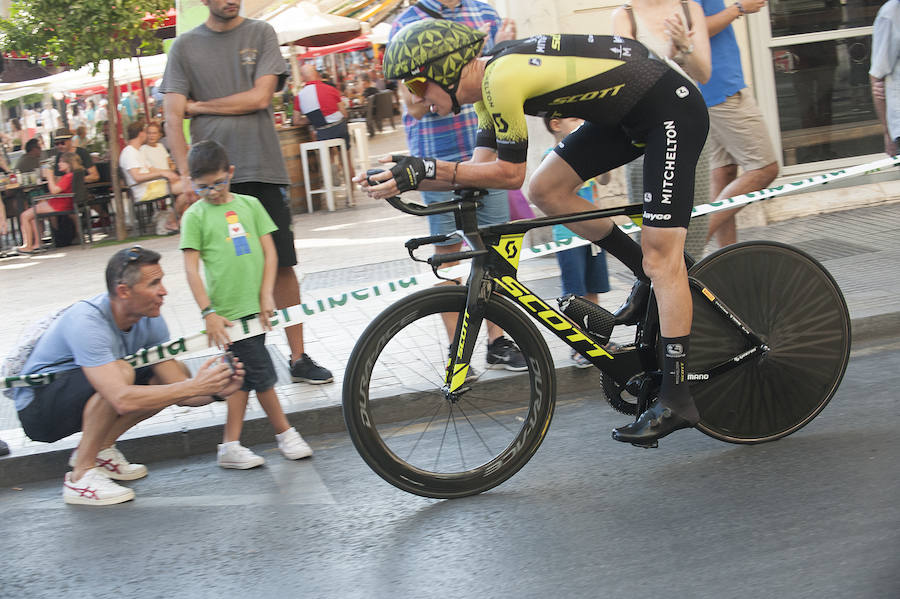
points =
(632, 104)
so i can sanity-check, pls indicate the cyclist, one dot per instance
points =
(632, 104)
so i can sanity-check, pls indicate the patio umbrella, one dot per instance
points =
(302, 24)
(359, 43)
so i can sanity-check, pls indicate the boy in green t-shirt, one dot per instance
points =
(231, 234)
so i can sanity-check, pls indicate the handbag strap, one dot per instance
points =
(430, 11)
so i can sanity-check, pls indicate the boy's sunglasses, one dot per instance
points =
(417, 85)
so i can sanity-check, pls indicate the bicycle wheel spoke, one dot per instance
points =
(489, 416)
(477, 434)
(437, 458)
(422, 434)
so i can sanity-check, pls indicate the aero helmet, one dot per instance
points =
(435, 49)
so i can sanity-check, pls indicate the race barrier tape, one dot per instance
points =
(294, 315)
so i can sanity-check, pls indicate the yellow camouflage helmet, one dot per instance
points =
(435, 49)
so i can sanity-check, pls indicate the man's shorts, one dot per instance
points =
(738, 134)
(581, 272)
(336, 130)
(154, 190)
(493, 211)
(259, 371)
(275, 200)
(57, 408)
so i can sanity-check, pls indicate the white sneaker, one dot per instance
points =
(292, 445)
(94, 488)
(114, 465)
(235, 455)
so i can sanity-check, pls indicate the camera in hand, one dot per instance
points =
(228, 360)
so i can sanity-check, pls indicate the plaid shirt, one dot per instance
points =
(449, 137)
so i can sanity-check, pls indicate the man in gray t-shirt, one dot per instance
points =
(223, 74)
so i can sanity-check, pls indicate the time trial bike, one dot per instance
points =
(770, 342)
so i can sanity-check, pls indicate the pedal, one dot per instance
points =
(650, 445)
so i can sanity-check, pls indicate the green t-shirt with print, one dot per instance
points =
(227, 237)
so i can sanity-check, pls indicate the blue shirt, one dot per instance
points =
(86, 335)
(450, 137)
(727, 77)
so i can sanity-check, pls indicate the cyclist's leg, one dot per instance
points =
(588, 151)
(673, 146)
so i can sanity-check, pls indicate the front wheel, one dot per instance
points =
(797, 309)
(416, 437)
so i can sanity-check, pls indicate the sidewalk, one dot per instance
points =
(350, 250)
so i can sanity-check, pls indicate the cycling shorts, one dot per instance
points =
(669, 127)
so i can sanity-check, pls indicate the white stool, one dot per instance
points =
(360, 135)
(325, 167)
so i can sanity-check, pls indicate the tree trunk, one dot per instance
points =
(113, 112)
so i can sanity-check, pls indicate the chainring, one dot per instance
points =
(621, 400)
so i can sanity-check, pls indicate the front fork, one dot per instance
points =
(466, 336)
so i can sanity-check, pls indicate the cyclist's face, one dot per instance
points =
(437, 100)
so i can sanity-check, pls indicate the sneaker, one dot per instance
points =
(580, 361)
(4, 448)
(306, 370)
(292, 445)
(235, 455)
(114, 465)
(503, 353)
(94, 488)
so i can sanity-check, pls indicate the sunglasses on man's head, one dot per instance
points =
(133, 254)
(417, 85)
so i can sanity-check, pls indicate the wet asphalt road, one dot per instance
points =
(814, 515)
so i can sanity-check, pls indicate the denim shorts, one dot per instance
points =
(57, 408)
(259, 371)
(582, 273)
(493, 211)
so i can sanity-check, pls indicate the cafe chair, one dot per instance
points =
(143, 209)
(79, 197)
(381, 106)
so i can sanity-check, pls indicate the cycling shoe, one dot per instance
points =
(655, 423)
(634, 308)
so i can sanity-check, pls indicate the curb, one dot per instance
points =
(167, 445)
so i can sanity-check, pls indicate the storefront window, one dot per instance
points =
(792, 17)
(824, 101)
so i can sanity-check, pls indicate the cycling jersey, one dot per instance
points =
(632, 102)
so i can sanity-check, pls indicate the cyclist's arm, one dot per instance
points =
(483, 170)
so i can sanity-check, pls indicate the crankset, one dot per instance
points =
(618, 397)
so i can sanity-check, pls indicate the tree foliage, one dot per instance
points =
(77, 33)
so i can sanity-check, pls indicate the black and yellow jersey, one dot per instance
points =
(598, 78)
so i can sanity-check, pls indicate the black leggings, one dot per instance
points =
(669, 127)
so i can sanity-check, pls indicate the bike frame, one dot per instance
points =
(495, 254)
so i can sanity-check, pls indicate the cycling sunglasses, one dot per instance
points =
(417, 85)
